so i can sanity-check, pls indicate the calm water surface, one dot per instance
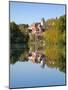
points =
(25, 73)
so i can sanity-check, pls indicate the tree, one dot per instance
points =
(23, 28)
(16, 36)
(62, 23)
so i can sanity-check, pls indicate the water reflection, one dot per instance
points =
(37, 57)
(22, 53)
(15, 53)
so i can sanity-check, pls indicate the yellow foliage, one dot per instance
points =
(52, 53)
(51, 36)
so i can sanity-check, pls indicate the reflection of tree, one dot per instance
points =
(15, 54)
(62, 64)
(59, 62)
(24, 56)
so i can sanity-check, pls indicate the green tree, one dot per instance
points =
(16, 36)
(62, 23)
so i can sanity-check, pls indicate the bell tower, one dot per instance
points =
(42, 22)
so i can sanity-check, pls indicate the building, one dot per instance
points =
(36, 28)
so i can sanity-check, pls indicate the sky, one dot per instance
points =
(28, 13)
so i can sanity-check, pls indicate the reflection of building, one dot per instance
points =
(36, 28)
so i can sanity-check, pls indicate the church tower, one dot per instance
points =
(43, 22)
